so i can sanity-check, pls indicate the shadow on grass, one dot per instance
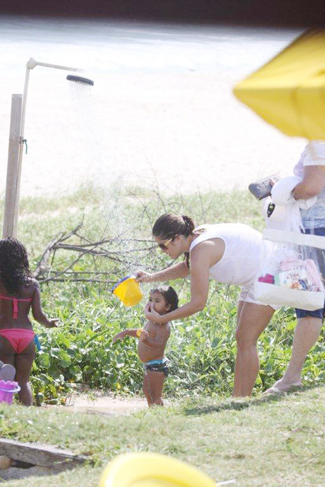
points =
(244, 403)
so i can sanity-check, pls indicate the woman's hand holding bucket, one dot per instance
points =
(142, 276)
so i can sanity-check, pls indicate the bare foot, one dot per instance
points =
(281, 386)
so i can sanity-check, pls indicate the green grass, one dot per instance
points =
(102, 211)
(259, 442)
(201, 348)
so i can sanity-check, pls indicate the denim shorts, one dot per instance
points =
(317, 313)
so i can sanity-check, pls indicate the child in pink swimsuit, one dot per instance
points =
(18, 294)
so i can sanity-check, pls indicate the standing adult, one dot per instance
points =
(311, 168)
(228, 253)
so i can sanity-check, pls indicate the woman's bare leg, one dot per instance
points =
(306, 335)
(253, 320)
(23, 364)
(237, 385)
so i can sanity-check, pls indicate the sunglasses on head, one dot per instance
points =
(165, 245)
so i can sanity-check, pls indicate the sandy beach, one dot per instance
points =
(161, 112)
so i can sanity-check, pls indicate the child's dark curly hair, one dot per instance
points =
(169, 294)
(14, 265)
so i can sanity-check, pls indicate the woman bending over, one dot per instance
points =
(228, 253)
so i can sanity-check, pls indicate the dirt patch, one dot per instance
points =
(97, 403)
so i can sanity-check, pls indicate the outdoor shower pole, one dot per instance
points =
(13, 172)
(16, 149)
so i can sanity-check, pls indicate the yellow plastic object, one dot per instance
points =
(289, 91)
(128, 290)
(152, 470)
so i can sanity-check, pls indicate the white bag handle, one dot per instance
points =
(294, 237)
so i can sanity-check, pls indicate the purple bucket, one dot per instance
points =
(7, 390)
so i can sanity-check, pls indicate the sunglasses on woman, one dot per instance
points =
(165, 245)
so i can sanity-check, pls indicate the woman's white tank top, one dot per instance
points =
(240, 261)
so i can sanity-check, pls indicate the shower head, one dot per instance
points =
(79, 79)
(31, 64)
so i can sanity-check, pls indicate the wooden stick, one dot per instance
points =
(10, 220)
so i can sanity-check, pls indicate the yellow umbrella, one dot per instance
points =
(289, 91)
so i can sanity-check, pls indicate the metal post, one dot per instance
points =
(13, 169)
(16, 147)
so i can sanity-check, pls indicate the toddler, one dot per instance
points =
(152, 342)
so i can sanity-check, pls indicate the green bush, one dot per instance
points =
(201, 349)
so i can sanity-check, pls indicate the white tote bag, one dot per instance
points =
(290, 270)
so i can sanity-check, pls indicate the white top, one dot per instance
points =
(240, 261)
(313, 155)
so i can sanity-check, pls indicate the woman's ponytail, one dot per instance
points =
(170, 225)
(189, 225)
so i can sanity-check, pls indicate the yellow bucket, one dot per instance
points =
(128, 291)
(152, 470)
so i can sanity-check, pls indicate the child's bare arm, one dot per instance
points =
(125, 333)
(161, 337)
(37, 310)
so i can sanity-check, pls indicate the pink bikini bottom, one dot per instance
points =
(19, 338)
